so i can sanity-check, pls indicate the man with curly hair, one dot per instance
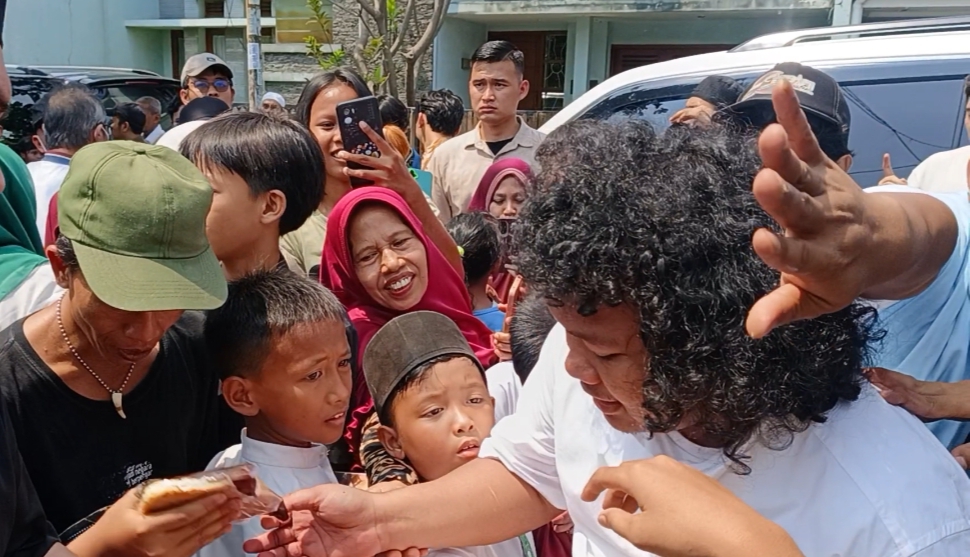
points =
(642, 247)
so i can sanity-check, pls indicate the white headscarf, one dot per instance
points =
(278, 98)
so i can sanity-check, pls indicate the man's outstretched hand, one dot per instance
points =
(327, 521)
(821, 211)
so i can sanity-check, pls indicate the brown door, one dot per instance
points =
(532, 44)
(625, 57)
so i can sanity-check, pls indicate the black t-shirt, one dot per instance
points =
(496, 146)
(81, 455)
(24, 531)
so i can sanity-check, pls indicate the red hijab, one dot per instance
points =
(446, 292)
(499, 170)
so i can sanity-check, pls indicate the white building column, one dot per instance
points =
(580, 78)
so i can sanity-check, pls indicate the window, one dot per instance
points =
(215, 8)
(266, 8)
(909, 120)
(654, 105)
(554, 71)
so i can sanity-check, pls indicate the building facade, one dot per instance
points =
(570, 45)
(158, 35)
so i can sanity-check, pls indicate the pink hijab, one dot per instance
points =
(446, 292)
(499, 170)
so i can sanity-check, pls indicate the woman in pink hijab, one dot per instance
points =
(501, 193)
(502, 189)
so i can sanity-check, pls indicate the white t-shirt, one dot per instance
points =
(173, 137)
(283, 469)
(48, 175)
(504, 386)
(155, 135)
(522, 546)
(871, 481)
(36, 292)
(943, 172)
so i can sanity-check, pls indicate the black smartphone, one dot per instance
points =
(349, 116)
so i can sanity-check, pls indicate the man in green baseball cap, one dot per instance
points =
(133, 396)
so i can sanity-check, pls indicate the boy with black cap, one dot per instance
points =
(430, 394)
(819, 96)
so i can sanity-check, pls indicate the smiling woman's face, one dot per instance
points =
(390, 260)
(323, 126)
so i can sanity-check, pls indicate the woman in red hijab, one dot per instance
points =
(501, 193)
(379, 262)
(502, 189)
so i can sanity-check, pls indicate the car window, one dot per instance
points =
(26, 92)
(113, 95)
(909, 120)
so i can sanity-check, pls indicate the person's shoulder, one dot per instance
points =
(189, 325)
(952, 156)
(455, 145)
(227, 458)
(902, 476)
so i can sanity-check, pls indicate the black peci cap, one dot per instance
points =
(719, 90)
(406, 343)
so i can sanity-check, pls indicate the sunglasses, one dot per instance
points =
(221, 84)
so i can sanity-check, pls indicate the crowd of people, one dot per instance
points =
(700, 340)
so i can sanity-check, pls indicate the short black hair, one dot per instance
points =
(394, 112)
(324, 81)
(269, 154)
(131, 114)
(413, 379)
(664, 225)
(531, 324)
(260, 306)
(831, 139)
(476, 234)
(444, 111)
(500, 51)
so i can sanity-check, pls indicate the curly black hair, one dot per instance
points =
(621, 216)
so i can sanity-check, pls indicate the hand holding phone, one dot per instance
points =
(356, 142)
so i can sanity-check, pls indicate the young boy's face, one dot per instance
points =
(236, 219)
(303, 389)
(441, 420)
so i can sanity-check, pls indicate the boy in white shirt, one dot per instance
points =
(430, 395)
(281, 349)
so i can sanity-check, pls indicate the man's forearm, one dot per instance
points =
(915, 236)
(478, 504)
(956, 404)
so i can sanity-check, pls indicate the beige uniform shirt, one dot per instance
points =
(459, 164)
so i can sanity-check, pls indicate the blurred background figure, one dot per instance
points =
(127, 122)
(439, 117)
(398, 139)
(153, 117)
(395, 113)
(714, 93)
(193, 115)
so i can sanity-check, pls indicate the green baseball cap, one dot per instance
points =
(135, 214)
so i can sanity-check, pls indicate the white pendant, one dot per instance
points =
(116, 399)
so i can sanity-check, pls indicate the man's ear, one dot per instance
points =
(184, 95)
(274, 205)
(391, 442)
(421, 120)
(523, 89)
(238, 395)
(61, 274)
(845, 162)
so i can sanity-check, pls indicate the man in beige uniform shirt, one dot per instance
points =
(495, 87)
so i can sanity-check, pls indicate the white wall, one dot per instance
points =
(457, 39)
(82, 32)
